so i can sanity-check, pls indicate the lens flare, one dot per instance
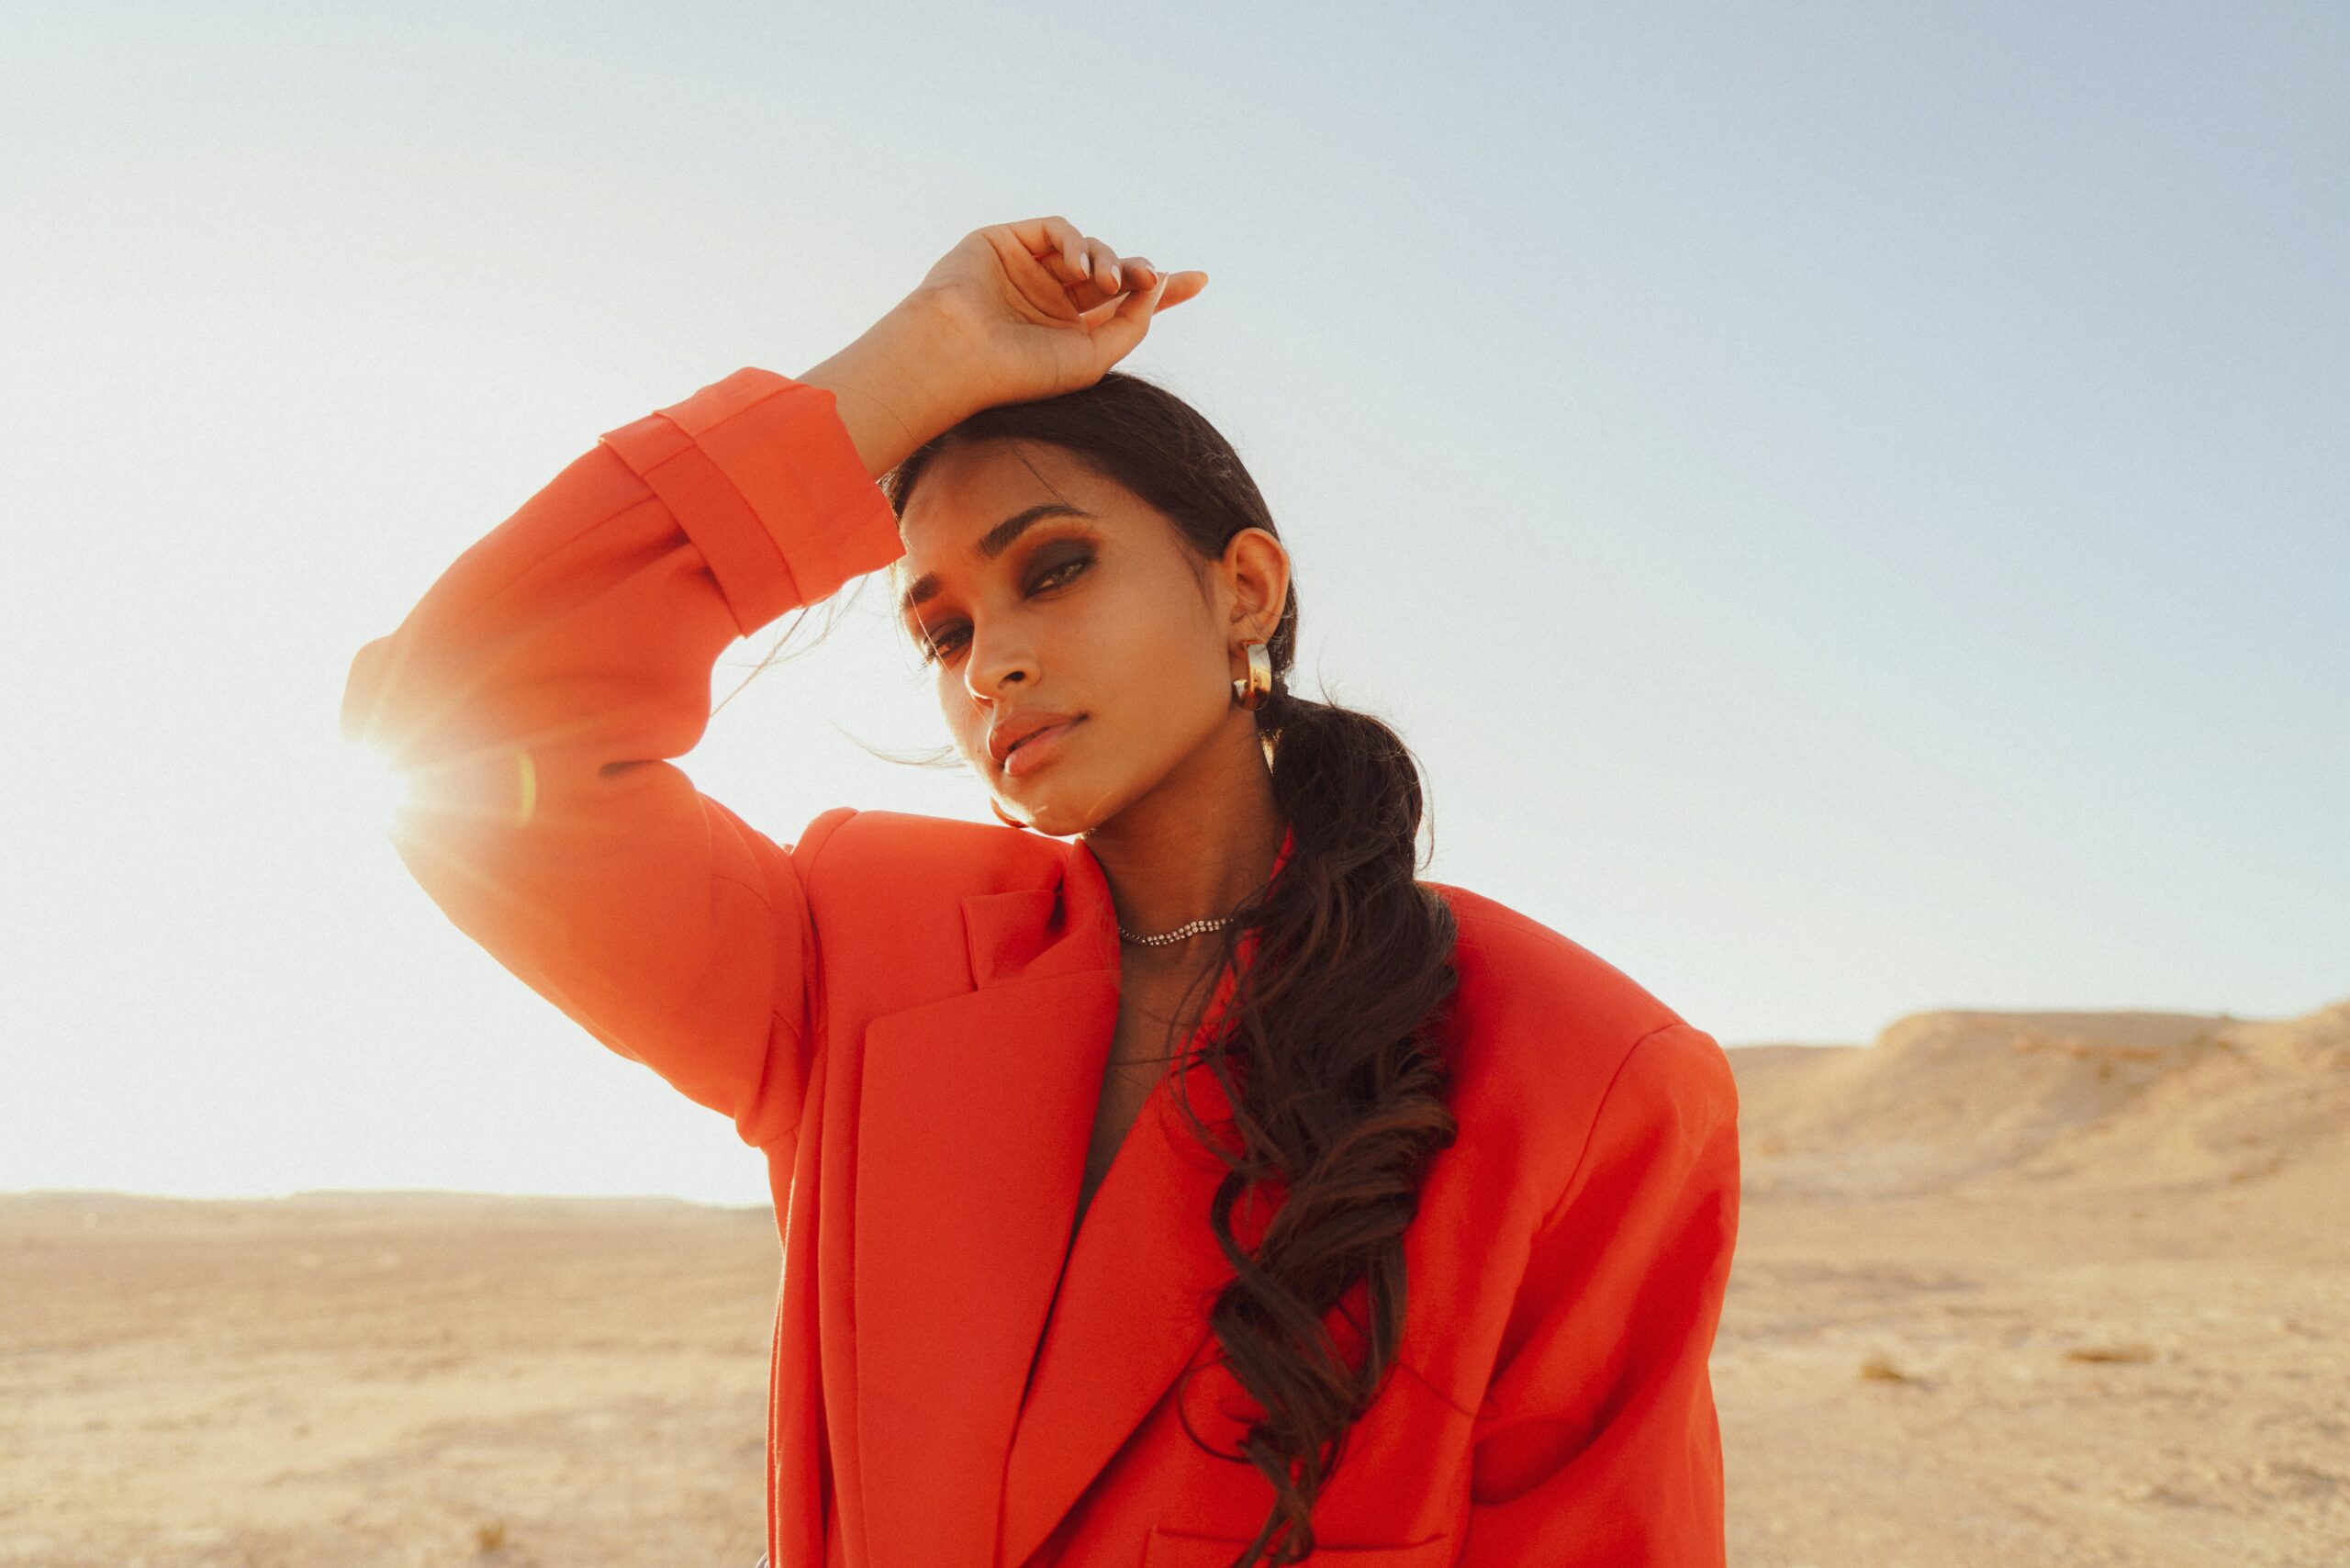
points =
(377, 791)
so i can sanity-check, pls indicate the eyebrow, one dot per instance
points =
(992, 543)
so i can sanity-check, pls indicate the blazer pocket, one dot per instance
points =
(1181, 1548)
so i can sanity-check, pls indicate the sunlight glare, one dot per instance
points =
(377, 791)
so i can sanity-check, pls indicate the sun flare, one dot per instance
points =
(376, 789)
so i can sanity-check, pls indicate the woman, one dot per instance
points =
(1404, 1247)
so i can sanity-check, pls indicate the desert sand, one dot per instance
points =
(2015, 1289)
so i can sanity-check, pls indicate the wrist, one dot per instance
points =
(905, 379)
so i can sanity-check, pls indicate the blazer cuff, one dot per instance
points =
(762, 476)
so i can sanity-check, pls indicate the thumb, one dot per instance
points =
(1127, 324)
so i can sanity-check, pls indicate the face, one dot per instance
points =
(1038, 588)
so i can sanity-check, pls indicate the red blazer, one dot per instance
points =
(910, 1015)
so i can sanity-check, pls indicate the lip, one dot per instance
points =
(1009, 729)
(1038, 746)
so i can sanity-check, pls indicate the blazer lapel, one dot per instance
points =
(1132, 1311)
(972, 1125)
(1132, 1316)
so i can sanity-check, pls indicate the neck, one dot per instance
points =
(1199, 843)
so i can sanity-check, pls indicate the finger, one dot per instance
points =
(1056, 245)
(1102, 265)
(1173, 288)
(1131, 272)
(1113, 276)
(1181, 287)
(1037, 279)
(1129, 320)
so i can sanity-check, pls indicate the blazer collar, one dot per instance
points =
(1067, 927)
(973, 1120)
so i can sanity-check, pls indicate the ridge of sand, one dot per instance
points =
(1953, 1100)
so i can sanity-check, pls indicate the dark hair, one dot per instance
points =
(1339, 1098)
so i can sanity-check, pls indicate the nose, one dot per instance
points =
(1000, 660)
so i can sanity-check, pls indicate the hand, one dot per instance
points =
(1041, 309)
(1013, 313)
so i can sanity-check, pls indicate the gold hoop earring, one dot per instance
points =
(1250, 690)
(1006, 821)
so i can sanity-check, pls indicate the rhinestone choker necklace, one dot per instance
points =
(1189, 928)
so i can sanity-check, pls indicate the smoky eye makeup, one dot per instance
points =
(1045, 569)
(1052, 565)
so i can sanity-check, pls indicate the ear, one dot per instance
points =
(1254, 574)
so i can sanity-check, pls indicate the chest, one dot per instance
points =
(1139, 1052)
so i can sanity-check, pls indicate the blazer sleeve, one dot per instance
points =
(1597, 1442)
(530, 699)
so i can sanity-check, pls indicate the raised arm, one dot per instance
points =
(533, 695)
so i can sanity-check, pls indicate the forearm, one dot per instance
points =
(908, 377)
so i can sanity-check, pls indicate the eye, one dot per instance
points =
(937, 645)
(1072, 567)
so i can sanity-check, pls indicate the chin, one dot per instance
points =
(1050, 809)
(1044, 816)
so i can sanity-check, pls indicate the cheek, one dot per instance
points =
(964, 720)
(1156, 664)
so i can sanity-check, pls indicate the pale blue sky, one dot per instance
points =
(1850, 503)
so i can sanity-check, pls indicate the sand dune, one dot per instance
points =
(2015, 1288)
(1949, 1100)
(2043, 1288)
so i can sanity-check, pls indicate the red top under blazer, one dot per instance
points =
(909, 1016)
